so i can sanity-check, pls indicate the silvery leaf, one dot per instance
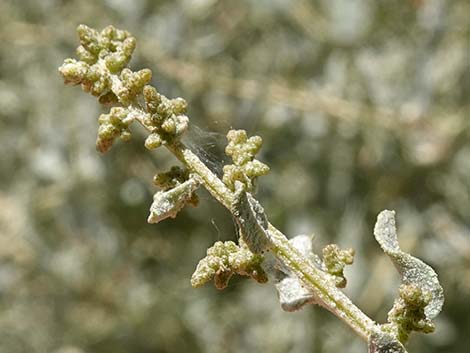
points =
(168, 203)
(251, 219)
(292, 294)
(380, 342)
(412, 270)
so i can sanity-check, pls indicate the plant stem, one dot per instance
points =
(211, 182)
(314, 279)
(328, 295)
(102, 71)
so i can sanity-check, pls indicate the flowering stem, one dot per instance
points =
(329, 296)
(102, 71)
(211, 182)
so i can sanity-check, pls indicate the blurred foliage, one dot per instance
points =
(363, 105)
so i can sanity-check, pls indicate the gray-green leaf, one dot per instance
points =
(413, 270)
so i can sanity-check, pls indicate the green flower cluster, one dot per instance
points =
(113, 125)
(166, 117)
(335, 260)
(244, 168)
(102, 54)
(420, 296)
(102, 72)
(408, 312)
(223, 260)
(301, 277)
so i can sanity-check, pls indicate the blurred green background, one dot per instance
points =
(363, 105)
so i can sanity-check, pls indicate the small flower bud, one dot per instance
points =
(169, 126)
(125, 135)
(164, 108)
(73, 71)
(108, 131)
(179, 106)
(89, 38)
(152, 98)
(117, 115)
(115, 62)
(182, 124)
(133, 83)
(86, 55)
(255, 168)
(153, 141)
(128, 47)
(335, 260)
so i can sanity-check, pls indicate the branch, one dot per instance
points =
(301, 277)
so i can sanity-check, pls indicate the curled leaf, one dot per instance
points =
(168, 203)
(413, 271)
(421, 295)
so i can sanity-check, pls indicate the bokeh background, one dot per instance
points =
(363, 105)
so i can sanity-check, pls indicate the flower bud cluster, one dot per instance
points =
(132, 84)
(225, 259)
(335, 260)
(166, 117)
(113, 45)
(242, 151)
(113, 125)
(408, 312)
(102, 72)
(102, 54)
(300, 276)
(421, 295)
